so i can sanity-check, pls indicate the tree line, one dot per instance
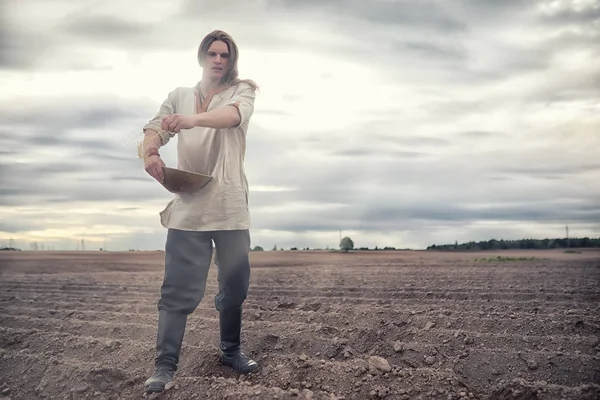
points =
(522, 244)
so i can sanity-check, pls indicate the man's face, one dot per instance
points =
(216, 60)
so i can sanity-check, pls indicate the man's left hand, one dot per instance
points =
(177, 122)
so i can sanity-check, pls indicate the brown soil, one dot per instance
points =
(397, 325)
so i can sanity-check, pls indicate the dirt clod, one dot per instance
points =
(429, 325)
(379, 364)
(398, 346)
(532, 365)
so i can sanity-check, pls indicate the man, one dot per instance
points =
(211, 121)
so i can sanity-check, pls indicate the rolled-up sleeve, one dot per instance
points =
(243, 100)
(166, 108)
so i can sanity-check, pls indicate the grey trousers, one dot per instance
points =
(188, 255)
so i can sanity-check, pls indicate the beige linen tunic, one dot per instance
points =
(222, 204)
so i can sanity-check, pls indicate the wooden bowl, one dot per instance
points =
(179, 181)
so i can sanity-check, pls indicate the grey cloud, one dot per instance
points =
(418, 39)
(81, 133)
(107, 28)
(547, 212)
(551, 170)
(31, 170)
(448, 51)
(57, 139)
(569, 15)
(352, 152)
(80, 179)
(26, 49)
(458, 61)
(55, 114)
(426, 15)
(526, 59)
(380, 135)
(77, 190)
(584, 85)
(18, 49)
(481, 16)
(66, 46)
(90, 166)
(21, 52)
(377, 144)
(17, 226)
(184, 29)
(381, 146)
(221, 7)
(584, 38)
(549, 177)
(409, 216)
(451, 179)
(283, 169)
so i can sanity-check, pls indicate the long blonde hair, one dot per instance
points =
(231, 75)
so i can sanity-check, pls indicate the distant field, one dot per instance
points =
(396, 325)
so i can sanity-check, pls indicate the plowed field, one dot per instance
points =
(397, 325)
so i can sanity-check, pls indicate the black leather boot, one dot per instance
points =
(171, 328)
(230, 322)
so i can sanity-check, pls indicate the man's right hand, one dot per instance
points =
(154, 167)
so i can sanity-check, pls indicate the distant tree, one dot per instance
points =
(275, 248)
(346, 244)
(258, 248)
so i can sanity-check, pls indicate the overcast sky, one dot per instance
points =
(401, 123)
